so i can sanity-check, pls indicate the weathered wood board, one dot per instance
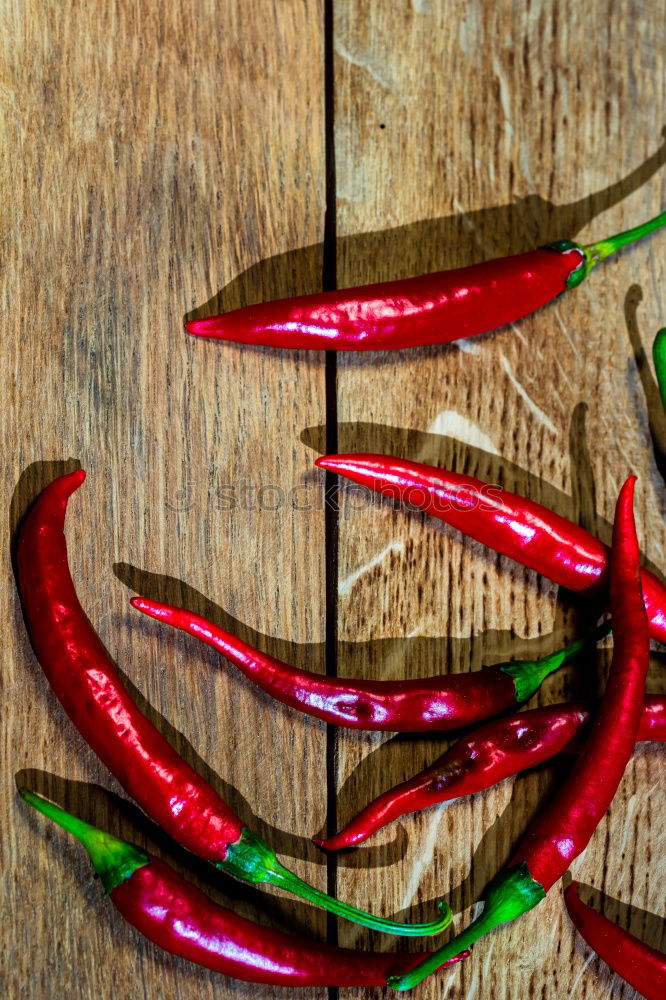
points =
(160, 161)
(463, 132)
(152, 155)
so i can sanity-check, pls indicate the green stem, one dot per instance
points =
(252, 860)
(604, 248)
(594, 252)
(528, 675)
(659, 355)
(114, 860)
(512, 893)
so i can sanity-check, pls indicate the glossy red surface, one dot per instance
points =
(653, 720)
(642, 967)
(443, 702)
(178, 917)
(513, 525)
(563, 829)
(431, 309)
(492, 753)
(90, 689)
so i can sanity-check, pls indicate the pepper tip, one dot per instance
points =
(329, 462)
(201, 327)
(147, 607)
(629, 488)
(68, 483)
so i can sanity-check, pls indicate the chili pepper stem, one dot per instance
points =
(252, 860)
(594, 252)
(511, 894)
(528, 675)
(113, 859)
(659, 356)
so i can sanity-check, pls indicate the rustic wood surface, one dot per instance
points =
(162, 160)
(463, 131)
(152, 154)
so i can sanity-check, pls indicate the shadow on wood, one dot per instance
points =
(449, 654)
(450, 453)
(30, 484)
(448, 242)
(647, 927)
(122, 818)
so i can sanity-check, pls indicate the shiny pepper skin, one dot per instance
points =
(90, 689)
(179, 917)
(445, 702)
(413, 312)
(490, 754)
(432, 309)
(516, 527)
(564, 828)
(642, 967)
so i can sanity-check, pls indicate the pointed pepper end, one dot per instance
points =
(153, 609)
(334, 843)
(77, 477)
(210, 327)
(69, 482)
(329, 462)
(345, 465)
(142, 604)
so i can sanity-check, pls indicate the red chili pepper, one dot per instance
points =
(642, 967)
(432, 309)
(408, 706)
(180, 918)
(490, 754)
(510, 524)
(89, 687)
(564, 828)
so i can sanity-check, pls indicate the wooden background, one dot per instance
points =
(165, 159)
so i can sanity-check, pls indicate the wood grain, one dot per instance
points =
(464, 131)
(152, 154)
(168, 160)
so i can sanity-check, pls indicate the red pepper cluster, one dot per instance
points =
(179, 917)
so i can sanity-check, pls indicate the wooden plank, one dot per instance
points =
(152, 155)
(464, 132)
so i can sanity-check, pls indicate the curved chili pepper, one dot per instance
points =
(409, 706)
(564, 828)
(489, 755)
(510, 524)
(642, 967)
(180, 918)
(432, 309)
(90, 690)
(659, 356)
